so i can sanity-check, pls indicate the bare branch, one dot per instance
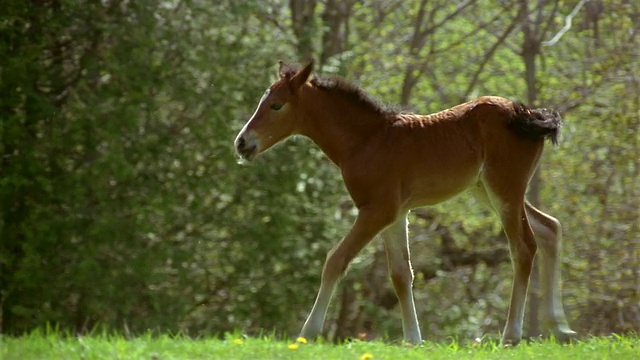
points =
(424, 33)
(567, 25)
(488, 55)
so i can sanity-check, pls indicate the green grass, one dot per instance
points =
(51, 345)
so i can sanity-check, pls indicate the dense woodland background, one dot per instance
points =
(121, 203)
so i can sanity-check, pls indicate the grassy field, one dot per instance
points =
(39, 345)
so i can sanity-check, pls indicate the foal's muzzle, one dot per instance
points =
(246, 146)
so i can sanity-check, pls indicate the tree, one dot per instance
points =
(121, 203)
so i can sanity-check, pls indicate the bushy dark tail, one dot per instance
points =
(535, 124)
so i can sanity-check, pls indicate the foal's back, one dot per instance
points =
(434, 157)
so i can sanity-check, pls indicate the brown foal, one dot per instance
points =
(393, 162)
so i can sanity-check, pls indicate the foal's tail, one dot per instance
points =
(535, 124)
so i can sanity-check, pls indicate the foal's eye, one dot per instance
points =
(276, 106)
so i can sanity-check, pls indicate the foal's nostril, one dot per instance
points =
(246, 147)
(240, 144)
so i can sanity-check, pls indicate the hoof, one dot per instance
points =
(412, 343)
(510, 342)
(566, 336)
(511, 338)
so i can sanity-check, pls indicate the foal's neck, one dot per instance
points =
(339, 127)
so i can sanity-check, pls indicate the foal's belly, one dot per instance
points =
(431, 196)
(431, 188)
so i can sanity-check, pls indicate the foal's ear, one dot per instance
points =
(284, 69)
(301, 76)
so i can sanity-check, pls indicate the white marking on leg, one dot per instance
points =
(315, 321)
(549, 240)
(397, 247)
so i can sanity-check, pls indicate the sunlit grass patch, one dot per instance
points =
(53, 345)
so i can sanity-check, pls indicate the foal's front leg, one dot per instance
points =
(396, 244)
(367, 225)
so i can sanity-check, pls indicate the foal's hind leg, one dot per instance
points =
(548, 235)
(397, 247)
(522, 246)
(523, 249)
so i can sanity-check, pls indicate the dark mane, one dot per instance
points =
(346, 90)
(352, 92)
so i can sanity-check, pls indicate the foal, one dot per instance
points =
(393, 162)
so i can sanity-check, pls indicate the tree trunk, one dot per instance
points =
(530, 50)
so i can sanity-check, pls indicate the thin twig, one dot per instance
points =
(566, 27)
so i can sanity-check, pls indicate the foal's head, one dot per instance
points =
(276, 115)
